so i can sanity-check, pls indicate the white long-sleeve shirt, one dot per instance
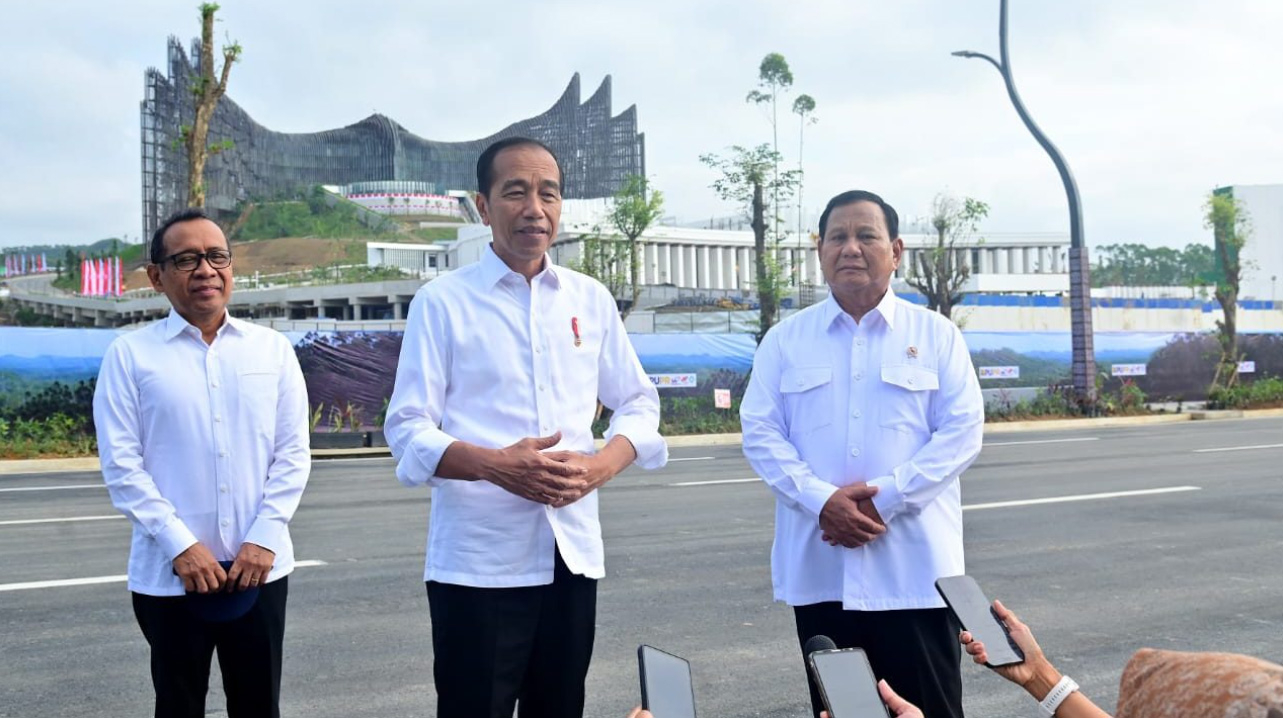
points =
(490, 359)
(892, 401)
(202, 443)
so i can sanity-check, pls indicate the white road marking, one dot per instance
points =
(1040, 441)
(714, 483)
(1238, 448)
(1079, 497)
(93, 580)
(29, 522)
(53, 488)
(693, 458)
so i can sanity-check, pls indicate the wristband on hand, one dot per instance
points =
(1057, 696)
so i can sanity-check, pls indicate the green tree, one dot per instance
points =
(804, 108)
(1231, 227)
(602, 258)
(206, 92)
(746, 177)
(938, 274)
(635, 210)
(773, 77)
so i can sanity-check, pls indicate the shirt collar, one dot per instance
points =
(175, 324)
(885, 309)
(493, 269)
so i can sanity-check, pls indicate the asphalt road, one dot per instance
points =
(687, 566)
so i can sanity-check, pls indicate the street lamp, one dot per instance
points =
(1084, 358)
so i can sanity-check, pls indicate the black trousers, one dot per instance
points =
(249, 654)
(528, 646)
(915, 651)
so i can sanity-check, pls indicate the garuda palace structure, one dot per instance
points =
(597, 150)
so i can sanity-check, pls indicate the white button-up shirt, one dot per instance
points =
(202, 443)
(892, 401)
(490, 359)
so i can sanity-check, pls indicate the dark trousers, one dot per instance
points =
(249, 654)
(915, 651)
(528, 646)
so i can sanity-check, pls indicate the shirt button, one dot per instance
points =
(855, 452)
(223, 488)
(218, 419)
(214, 384)
(222, 453)
(800, 382)
(910, 382)
(859, 342)
(541, 387)
(855, 414)
(225, 522)
(859, 375)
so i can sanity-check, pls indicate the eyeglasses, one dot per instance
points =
(189, 261)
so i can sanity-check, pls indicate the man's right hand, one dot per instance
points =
(199, 570)
(843, 523)
(523, 470)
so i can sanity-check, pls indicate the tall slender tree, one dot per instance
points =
(636, 208)
(746, 179)
(804, 108)
(1231, 227)
(773, 77)
(207, 89)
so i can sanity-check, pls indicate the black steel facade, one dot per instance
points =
(597, 150)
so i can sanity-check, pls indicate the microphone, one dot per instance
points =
(818, 643)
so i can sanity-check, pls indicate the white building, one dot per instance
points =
(1262, 256)
(712, 259)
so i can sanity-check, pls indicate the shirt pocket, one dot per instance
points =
(257, 391)
(907, 392)
(808, 398)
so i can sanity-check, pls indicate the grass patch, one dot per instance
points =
(274, 220)
(57, 435)
(435, 234)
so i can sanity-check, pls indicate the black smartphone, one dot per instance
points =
(975, 612)
(666, 688)
(847, 684)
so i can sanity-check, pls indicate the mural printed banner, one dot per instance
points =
(355, 371)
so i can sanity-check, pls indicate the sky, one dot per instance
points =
(1153, 102)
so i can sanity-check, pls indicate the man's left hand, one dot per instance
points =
(250, 568)
(596, 473)
(598, 468)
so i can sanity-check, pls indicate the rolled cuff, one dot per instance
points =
(175, 538)
(652, 450)
(418, 465)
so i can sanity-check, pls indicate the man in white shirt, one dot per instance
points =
(861, 414)
(202, 427)
(501, 368)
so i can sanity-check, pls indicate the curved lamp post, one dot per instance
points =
(1084, 358)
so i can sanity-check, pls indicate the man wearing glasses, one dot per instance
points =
(202, 424)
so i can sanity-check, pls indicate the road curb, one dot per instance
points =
(90, 463)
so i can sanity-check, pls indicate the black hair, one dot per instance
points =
(859, 195)
(485, 163)
(158, 237)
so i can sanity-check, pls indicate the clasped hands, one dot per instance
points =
(202, 573)
(555, 478)
(849, 518)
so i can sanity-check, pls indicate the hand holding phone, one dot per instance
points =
(846, 683)
(666, 687)
(975, 612)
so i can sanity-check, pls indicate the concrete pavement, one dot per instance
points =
(1104, 541)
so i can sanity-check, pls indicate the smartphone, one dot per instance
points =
(666, 688)
(847, 684)
(975, 612)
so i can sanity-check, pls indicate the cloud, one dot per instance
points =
(1153, 102)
